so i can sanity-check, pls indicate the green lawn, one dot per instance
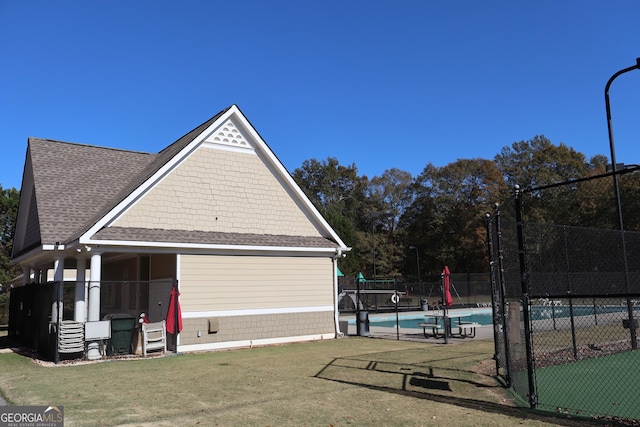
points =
(346, 382)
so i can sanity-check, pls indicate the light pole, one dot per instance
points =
(359, 329)
(423, 302)
(616, 188)
(417, 262)
(374, 216)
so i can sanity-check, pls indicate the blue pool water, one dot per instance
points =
(485, 317)
(548, 312)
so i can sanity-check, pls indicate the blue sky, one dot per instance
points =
(381, 84)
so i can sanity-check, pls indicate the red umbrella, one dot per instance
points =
(174, 314)
(446, 282)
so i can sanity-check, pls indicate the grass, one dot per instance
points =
(347, 382)
(549, 340)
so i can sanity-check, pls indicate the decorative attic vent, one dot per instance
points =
(228, 134)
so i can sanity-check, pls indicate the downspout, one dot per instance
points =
(336, 314)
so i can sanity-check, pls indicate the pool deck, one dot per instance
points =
(410, 334)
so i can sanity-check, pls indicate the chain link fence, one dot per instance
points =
(566, 296)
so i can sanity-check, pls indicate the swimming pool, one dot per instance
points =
(485, 317)
(557, 312)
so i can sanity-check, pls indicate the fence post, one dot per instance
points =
(494, 293)
(395, 302)
(524, 275)
(502, 290)
(569, 291)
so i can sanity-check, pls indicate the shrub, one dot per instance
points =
(4, 308)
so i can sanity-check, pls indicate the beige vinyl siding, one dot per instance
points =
(210, 283)
(224, 191)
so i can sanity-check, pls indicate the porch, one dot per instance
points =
(96, 318)
(118, 332)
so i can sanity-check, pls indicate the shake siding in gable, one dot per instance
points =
(32, 236)
(246, 282)
(218, 190)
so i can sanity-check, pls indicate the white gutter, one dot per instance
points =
(35, 253)
(130, 243)
(336, 313)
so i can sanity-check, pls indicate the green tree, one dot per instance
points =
(338, 193)
(380, 229)
(327, 182)
(447, 215)
(441, 212)
(536, 163)
(593, 201)
(391, 194)
(9, 201)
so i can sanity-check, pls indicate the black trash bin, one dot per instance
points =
(363, 324)
(122, 326)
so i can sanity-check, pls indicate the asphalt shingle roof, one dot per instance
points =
(76, 185)
(73, 182)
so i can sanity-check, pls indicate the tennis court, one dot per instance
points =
(591, 386)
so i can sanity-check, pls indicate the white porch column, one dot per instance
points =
(58, 269)
(80, 308)
(93, 314)
(26, 272)
(58, 277)
(94, 287)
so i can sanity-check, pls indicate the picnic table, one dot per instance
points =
(435, 324)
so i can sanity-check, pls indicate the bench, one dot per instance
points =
(154, 337)
(436, 330)
(468, 329)
(465, 330)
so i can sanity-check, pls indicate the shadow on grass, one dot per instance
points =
(422, 380)
(5, 342)
(8, 345)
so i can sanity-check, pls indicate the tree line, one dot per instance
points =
(395, 222)
(9, 201)
(438, 217)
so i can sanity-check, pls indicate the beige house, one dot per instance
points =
(215, 213)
